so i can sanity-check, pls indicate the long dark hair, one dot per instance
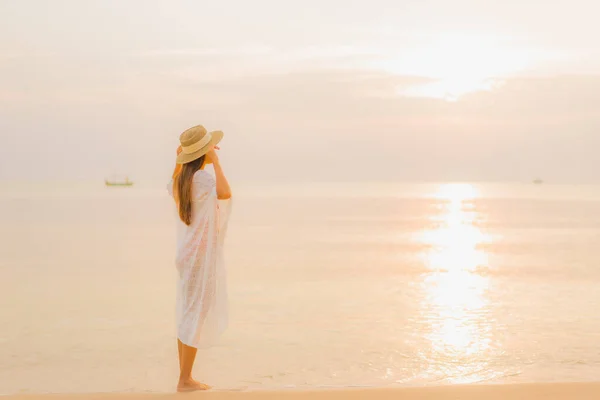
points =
(182, 188)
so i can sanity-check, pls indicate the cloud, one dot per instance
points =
(25, 56)
(326, 124)
(251, 50)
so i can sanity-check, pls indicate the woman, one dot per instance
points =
(203, 207)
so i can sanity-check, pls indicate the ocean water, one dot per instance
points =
(330, 285)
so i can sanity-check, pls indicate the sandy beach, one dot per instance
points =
(553, 391)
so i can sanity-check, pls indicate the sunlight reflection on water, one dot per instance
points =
(455, 304)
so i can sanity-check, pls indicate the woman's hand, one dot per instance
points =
(223, 189)
(212, 155)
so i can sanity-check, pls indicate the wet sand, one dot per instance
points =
(553, 391)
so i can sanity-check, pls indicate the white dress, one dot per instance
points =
(202, 309)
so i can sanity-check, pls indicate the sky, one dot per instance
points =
(328, 90)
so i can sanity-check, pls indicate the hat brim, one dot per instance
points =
(184, 158)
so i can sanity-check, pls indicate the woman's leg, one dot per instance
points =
(186, 364)
(179, 351)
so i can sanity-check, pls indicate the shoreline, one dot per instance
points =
(545, 391)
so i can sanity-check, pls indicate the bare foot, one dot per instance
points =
(191, 385)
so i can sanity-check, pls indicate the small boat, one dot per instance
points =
(538, 181)
(126, 182)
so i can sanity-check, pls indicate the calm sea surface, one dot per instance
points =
(330, 285)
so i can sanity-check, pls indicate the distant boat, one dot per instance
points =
(126, 182)
(538, 181)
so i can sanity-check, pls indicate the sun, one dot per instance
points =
(453, 88)
(457, 64)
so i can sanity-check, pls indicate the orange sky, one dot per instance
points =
(327, 90)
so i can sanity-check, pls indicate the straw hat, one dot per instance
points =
(196, 142)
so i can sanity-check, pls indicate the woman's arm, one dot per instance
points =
(223, 189)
